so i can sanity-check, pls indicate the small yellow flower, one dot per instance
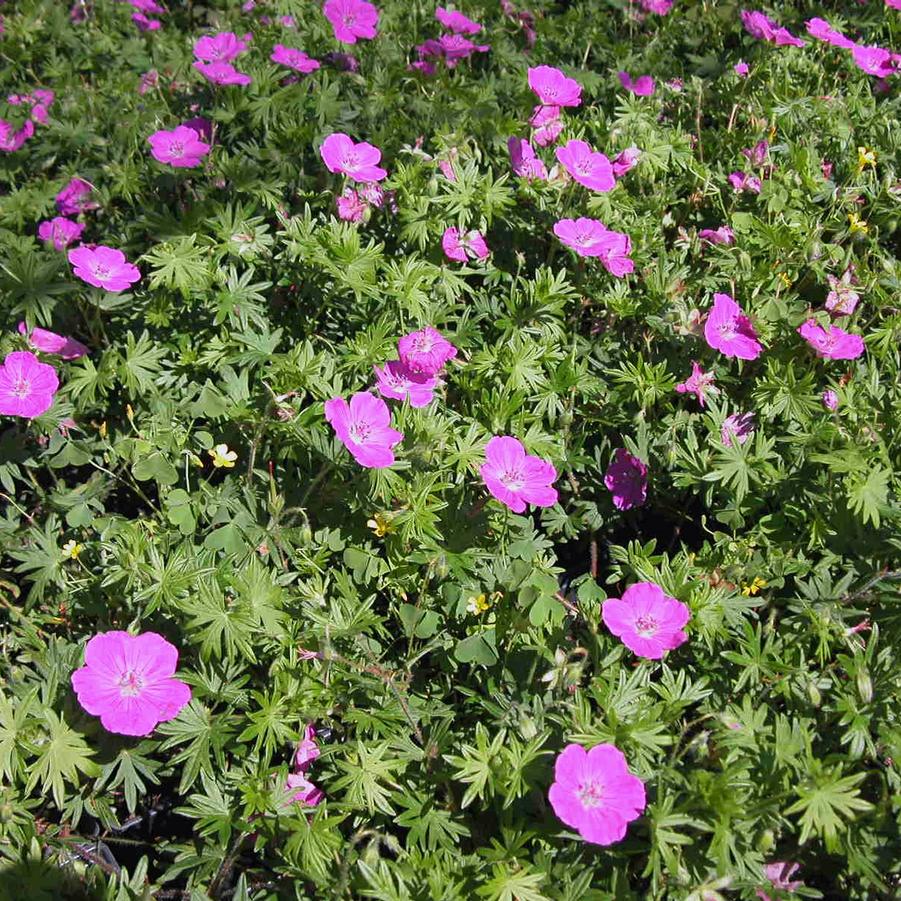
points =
(223, 458)
(380, 524)
(865, 157)
(783, 277)
(129, 412)
(102, 429)
(72, 549)
(752, 589)
(856, 224)
(478, 604)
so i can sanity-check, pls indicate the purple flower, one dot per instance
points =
(757, 154)
(643, 86)
(553, 88)
(104, 267)
(721, 235)
(60, 231)
(741, 69)
(146, 24)
(625, 161)
(876, 61)
(27, 386)
(12, 140)
(832, 343)
(730, 331)
(740, 181)
(397, 381)
(699, 383)
(765, 29)
(71, 200)
(462, 246)
(219, 48)
(426, 351)
(779, 876)
(823, 31)
(648, 621)
(180, 148)
(456, 21)
(738, 427)
(627, 479)
(516, 478)
(590, 168)
(357, 161)
(50, 343)
(222, 73)
(293, 59)
(352, 19)
(364, 427)
(830, 399)
(524, 162)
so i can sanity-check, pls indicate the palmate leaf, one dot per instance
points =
(507, 884)
(13, 717)
(430, 827)
(827, 802)
(130, 768)
(868, 493)
(180, 265)
(367, 778)
(62, 755)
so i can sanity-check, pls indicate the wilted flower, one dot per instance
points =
(364, 427)
(643, 86)
(462, 246)
(721, 235)
(757, 154)
(357, 161)
(525, 163)
(737, 427)
(546, 124)
(352, 19)
(27, 386)
(625, 161)
(842, 299)
(61, 232)
(399, 382)
(627, 480)
(730, 331)
(589, 167)
(50, 343)
(741, 181)
(779, 876)
(351, 207)
(12, 140)
(648, 621)
(699, 383)
(71, 199)
(830, 399)
(148, 80)
(831, 342)
(516, 478)
(103, 267)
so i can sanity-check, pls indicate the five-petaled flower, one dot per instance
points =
(222, 457)
(294, 59)
(699, 383)
(553, 88)
(516, 478)
(831, 343)
(358, 162)
(352, 19)
(27, 386)
(425, 351)
(50, 343)
(627, 479)
(180, 148)
(104, 267)
(461, 245)
(397, 381)
(364, 427)
(730, 331)
(588, 167)
(648, 621)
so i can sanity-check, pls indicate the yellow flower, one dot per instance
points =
(380, 524)
(223, 458)
(783, 276)
(102, 429)
(857, 224)
(478, 604)
(865, 157)
(72, 549)
(754, 587)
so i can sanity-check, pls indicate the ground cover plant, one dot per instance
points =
(449, 453)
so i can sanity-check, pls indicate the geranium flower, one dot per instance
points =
(699, 383)
(524, 162)
(737, 427)
(625, 161)
(591, 238)
(741, 181)
(220, 48)
(363, 427)
(546, 124)
(425, 352)
(456, 21)
(627, 479)
(50, 343)
(60, 232)
(516, 478)
(658, 7)
(71, 200)
(149, 80)
(462, 246)
(779, 874)
(145, 23)
(830, 399)
(356, 161)
(741, 69)
(730, 331)
(352, 19)
(842, 299)
(832, 343)
(594, 793)
(823, 31)
(648, 622)
(180, 148)
(553, 88)
(12, 140)
(763, 28)
(351, 207)
(875, 60)
(454, 47)
(588, 167)
(104, 267)
(294, 59)
(127, 680)
(27, 386)
(302, 790)
(399, 382)
(757, 154)
(222, 73)
(147, 6)
(643, 86)
(721, 235)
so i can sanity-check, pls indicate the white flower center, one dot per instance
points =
(590, 794)
(21, 388)
(131, 684)
(646, 626)
(512, 479)
(360, 432)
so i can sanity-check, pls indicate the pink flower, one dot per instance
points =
(307, 749)
(127, 681)
(721, 235)
(375, 194)
(104, 267)
(757, 154)
(516, 478)
(447, 166)
(595, 794)
(461, 246)
(547, 125)
(741, 69)
(351, 19)
(826, 168)
(71, 200)
(60, 231)
(699, 383)
(648, 621)
(180, 148)
(399, 382)
(148, 80)
(823, 31)
(50, 343)
(287, 21)
(740, 181)
(738, 426)
(364, 428)
(658, 7)
(222, 73)
(842, 299)
(302, 790)
(27, 386)
(525, 163)
(12, 140)
(588, 167)
(293, 59)
(643, 86)
(147, 6)
(426, 351)
(351, 207)
(875, 60)
(219, 48)
(357, 161)
(553, 88)
(625, 161)
(832, 343)
(627, 479)
(730, 331)
(456, 21)
(765, 29)
(146, 24)
(455, 47)
(830, 399)
(779, 875)
(591, 238)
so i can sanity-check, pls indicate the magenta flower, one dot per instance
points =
(832, 343)
(364, 427)
(765, 29)
(222, 73)
(627, 479)
(352, 19)
(425, 352)
(737, 427)
(12, 140)
(699, 383)
(50, 343)
(145, 23)
(823, 31)
(842, 299)
(830, 399)
(553, 88)
(180, 148)
(456, 21)
(875, 60)
(351, 207)
(127, 680)
(523, 160)
(658, 7)
(447, 165)
(516, 478)
(59, 231)
(149, 80)
(779, 874)
(741, 181)
(462, 246)
(454, 47)
(399, 382)
(591, 238)
(219, 48)
(293, 59)
(647, 621)
(304, 791)
(147, 6)
(742, 69)
(643, 86)
(357, 161)
(588, 167)
(546, 124)
(27, 386)
(104, 267)
(595, 794)
(757, 154)
(625, 161)
(730, 331)
(71, 200)
(307, 749)
(721, 235)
